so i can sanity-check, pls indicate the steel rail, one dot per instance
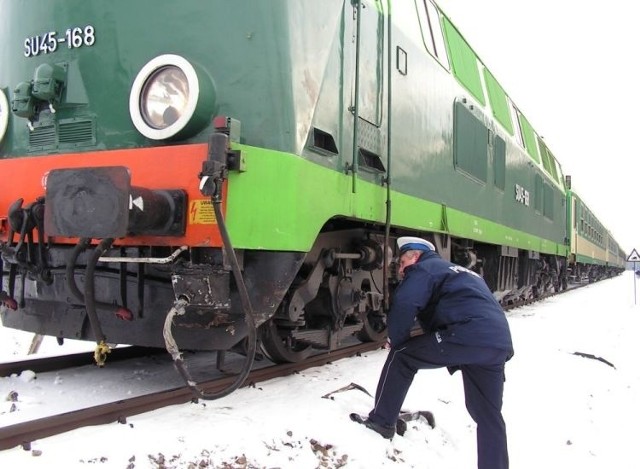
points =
(59, 362)
(22, 434)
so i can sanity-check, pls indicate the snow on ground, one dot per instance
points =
(562, 409)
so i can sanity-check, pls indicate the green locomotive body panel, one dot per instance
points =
(286, 71)
(240, 49)
(327, 195)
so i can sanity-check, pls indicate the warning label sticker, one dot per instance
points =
(201, 212)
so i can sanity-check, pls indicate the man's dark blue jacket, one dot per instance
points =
(448, 299)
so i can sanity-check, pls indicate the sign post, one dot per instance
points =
(634, 257)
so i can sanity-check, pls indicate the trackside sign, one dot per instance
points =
(634, 256)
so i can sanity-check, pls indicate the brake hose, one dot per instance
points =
(90, 302)
(179, 309)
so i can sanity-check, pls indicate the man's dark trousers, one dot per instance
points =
(483, 378)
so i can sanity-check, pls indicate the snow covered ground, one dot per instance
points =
(562, 409)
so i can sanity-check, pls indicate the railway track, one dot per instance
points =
(60, 362)
(529, 301)
(22, 434)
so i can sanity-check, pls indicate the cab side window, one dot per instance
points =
(432, 34)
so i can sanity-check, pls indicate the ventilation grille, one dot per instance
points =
(66, 133)
(43, 136)
(323, 142)
(370, 160)
(76, 131)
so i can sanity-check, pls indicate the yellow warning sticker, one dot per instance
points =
(201, 212)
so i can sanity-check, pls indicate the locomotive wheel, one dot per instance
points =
(373, 329)
(280, 347)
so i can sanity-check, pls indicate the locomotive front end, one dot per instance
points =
(188, 190)
(107, 216)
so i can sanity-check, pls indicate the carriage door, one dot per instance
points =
(366, 98)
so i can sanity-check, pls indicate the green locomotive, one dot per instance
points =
(228, 171)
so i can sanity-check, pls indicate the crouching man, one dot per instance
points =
(465, 329)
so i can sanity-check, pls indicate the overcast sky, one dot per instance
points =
(571, 66)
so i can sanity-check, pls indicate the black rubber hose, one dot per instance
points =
(89, 289)
(71, 279)
(248, 314)
(83, 243)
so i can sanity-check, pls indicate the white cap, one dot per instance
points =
(408, 243)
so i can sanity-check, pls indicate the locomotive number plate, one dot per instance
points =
(48, 42)
(522, 195)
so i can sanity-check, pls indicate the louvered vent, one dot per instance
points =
(43, 136)
(76, 131)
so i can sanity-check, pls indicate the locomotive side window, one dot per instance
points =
(425, 27)
(556, 164)
(516, 123)
(438, 35)
(548, 161)
(529, 137)
(432, 35)
(551, 163)
(498, 100)
(464, 62)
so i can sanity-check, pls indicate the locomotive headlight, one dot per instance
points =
(4, 114)
(170, 98)
(165, 97)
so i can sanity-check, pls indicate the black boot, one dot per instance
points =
(385, 432)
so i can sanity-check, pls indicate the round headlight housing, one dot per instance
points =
(4, 114)
(164, 97)
(171, 99)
